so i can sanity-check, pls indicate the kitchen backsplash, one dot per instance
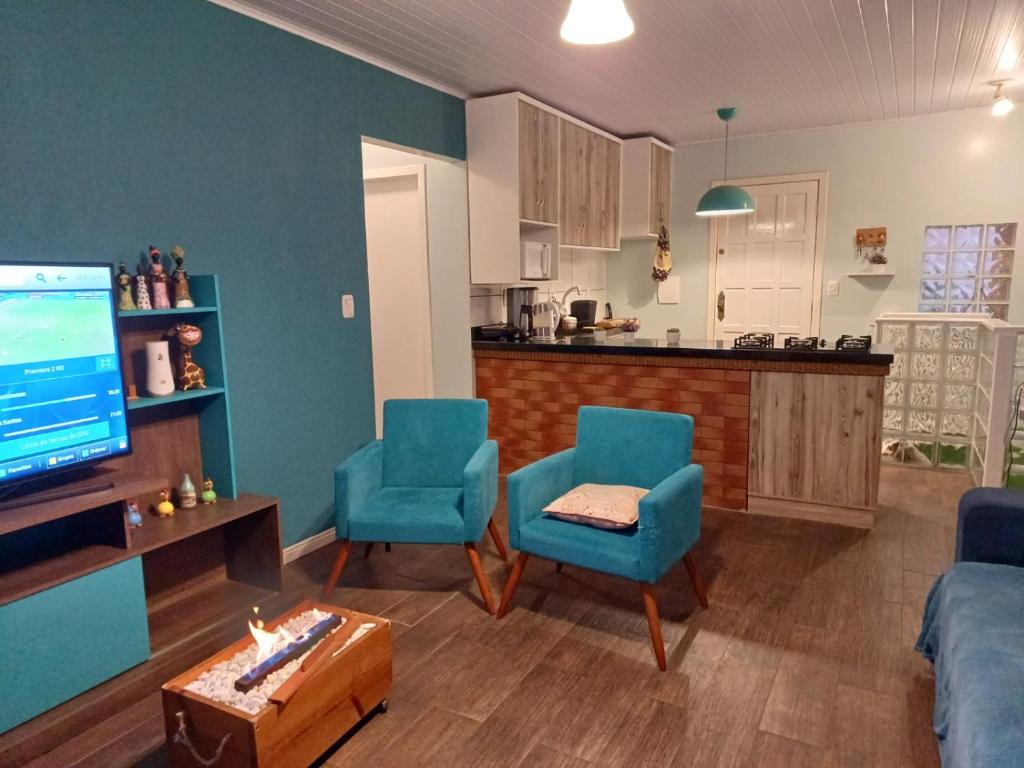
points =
(585, 269)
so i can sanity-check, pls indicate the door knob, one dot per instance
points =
(721, 306)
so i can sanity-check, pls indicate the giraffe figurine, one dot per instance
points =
(190, 375)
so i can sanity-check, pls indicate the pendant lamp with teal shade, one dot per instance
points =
(725, 199)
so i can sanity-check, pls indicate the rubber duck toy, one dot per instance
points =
(134, 516)
(165, 508)
(208, 496)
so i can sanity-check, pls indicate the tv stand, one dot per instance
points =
(35, 492)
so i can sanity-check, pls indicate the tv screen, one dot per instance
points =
(62, 402)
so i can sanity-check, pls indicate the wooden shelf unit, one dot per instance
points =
(139, 314)
(177, 397)
(96, 537)
(78, 557)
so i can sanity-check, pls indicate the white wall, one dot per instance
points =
(587, 270)
(448, 246)
(954, 168)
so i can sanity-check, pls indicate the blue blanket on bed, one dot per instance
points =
(973, 633)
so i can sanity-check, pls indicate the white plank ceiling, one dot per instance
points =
(787, 64)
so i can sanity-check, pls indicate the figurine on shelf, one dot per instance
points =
(182, 298)
(165, 508)
(187, 492)
(161, 299)
(125, 303)
(142, 289)
(190, 375)
(209, 496)
(134, 516)
(662, 258)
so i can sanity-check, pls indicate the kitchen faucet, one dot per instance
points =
(563, 309)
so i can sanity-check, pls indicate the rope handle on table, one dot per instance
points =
(181, 737)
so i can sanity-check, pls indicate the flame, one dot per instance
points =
(266, 642)
(269, 643)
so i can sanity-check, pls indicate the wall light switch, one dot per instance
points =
(348, 306)
(833, 287)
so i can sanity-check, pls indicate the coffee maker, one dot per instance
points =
(519, 304)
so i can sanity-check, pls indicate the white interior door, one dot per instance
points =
(396, 250)
(765, 264)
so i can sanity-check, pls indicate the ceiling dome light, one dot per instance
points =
(725, 199)
(1001, 105)
(596, 22)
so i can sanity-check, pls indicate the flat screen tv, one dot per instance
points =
(62, 402)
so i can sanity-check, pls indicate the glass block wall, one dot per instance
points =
(930, 392)
(968, 268)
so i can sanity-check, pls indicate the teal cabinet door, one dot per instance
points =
(58, 643)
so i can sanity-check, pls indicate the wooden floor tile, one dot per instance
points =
(802, 699)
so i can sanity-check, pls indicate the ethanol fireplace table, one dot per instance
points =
(338, 686)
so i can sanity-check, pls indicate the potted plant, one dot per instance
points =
(629, 328)
(672, 336)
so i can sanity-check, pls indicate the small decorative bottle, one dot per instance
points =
(187, 493)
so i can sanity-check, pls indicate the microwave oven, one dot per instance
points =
(537, 261)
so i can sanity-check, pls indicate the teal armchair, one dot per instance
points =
(432, 479)
(615, 446)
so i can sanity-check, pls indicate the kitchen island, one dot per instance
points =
(792, 433)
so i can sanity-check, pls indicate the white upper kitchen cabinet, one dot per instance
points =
(646, 187)
(524, 189)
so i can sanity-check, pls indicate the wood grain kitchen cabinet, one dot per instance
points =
(516, 173)
(646, 187)
(589, 187)
(538, 164)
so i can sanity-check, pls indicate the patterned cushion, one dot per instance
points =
(602, 506)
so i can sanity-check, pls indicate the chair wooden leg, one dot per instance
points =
(559, 567)
(368, 549)
(496, 536)
(698, 582)
(512, 583)
(654, 623)
(481, 577)
(339, 564)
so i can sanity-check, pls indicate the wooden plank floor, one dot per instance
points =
(804, 658)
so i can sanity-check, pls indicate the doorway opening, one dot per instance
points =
(417, 250)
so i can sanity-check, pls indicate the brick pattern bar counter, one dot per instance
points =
(748, 431)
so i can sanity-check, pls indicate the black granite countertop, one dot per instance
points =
(584, 344)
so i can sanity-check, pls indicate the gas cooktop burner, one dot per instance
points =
(796, 342)
(853, 343)
(754, 341)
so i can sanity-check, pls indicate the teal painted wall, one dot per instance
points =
(178, 121)
(99, 619)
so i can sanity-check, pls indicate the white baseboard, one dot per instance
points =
(304, 547)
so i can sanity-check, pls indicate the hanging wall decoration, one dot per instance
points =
(662, 258)
(871, 248)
